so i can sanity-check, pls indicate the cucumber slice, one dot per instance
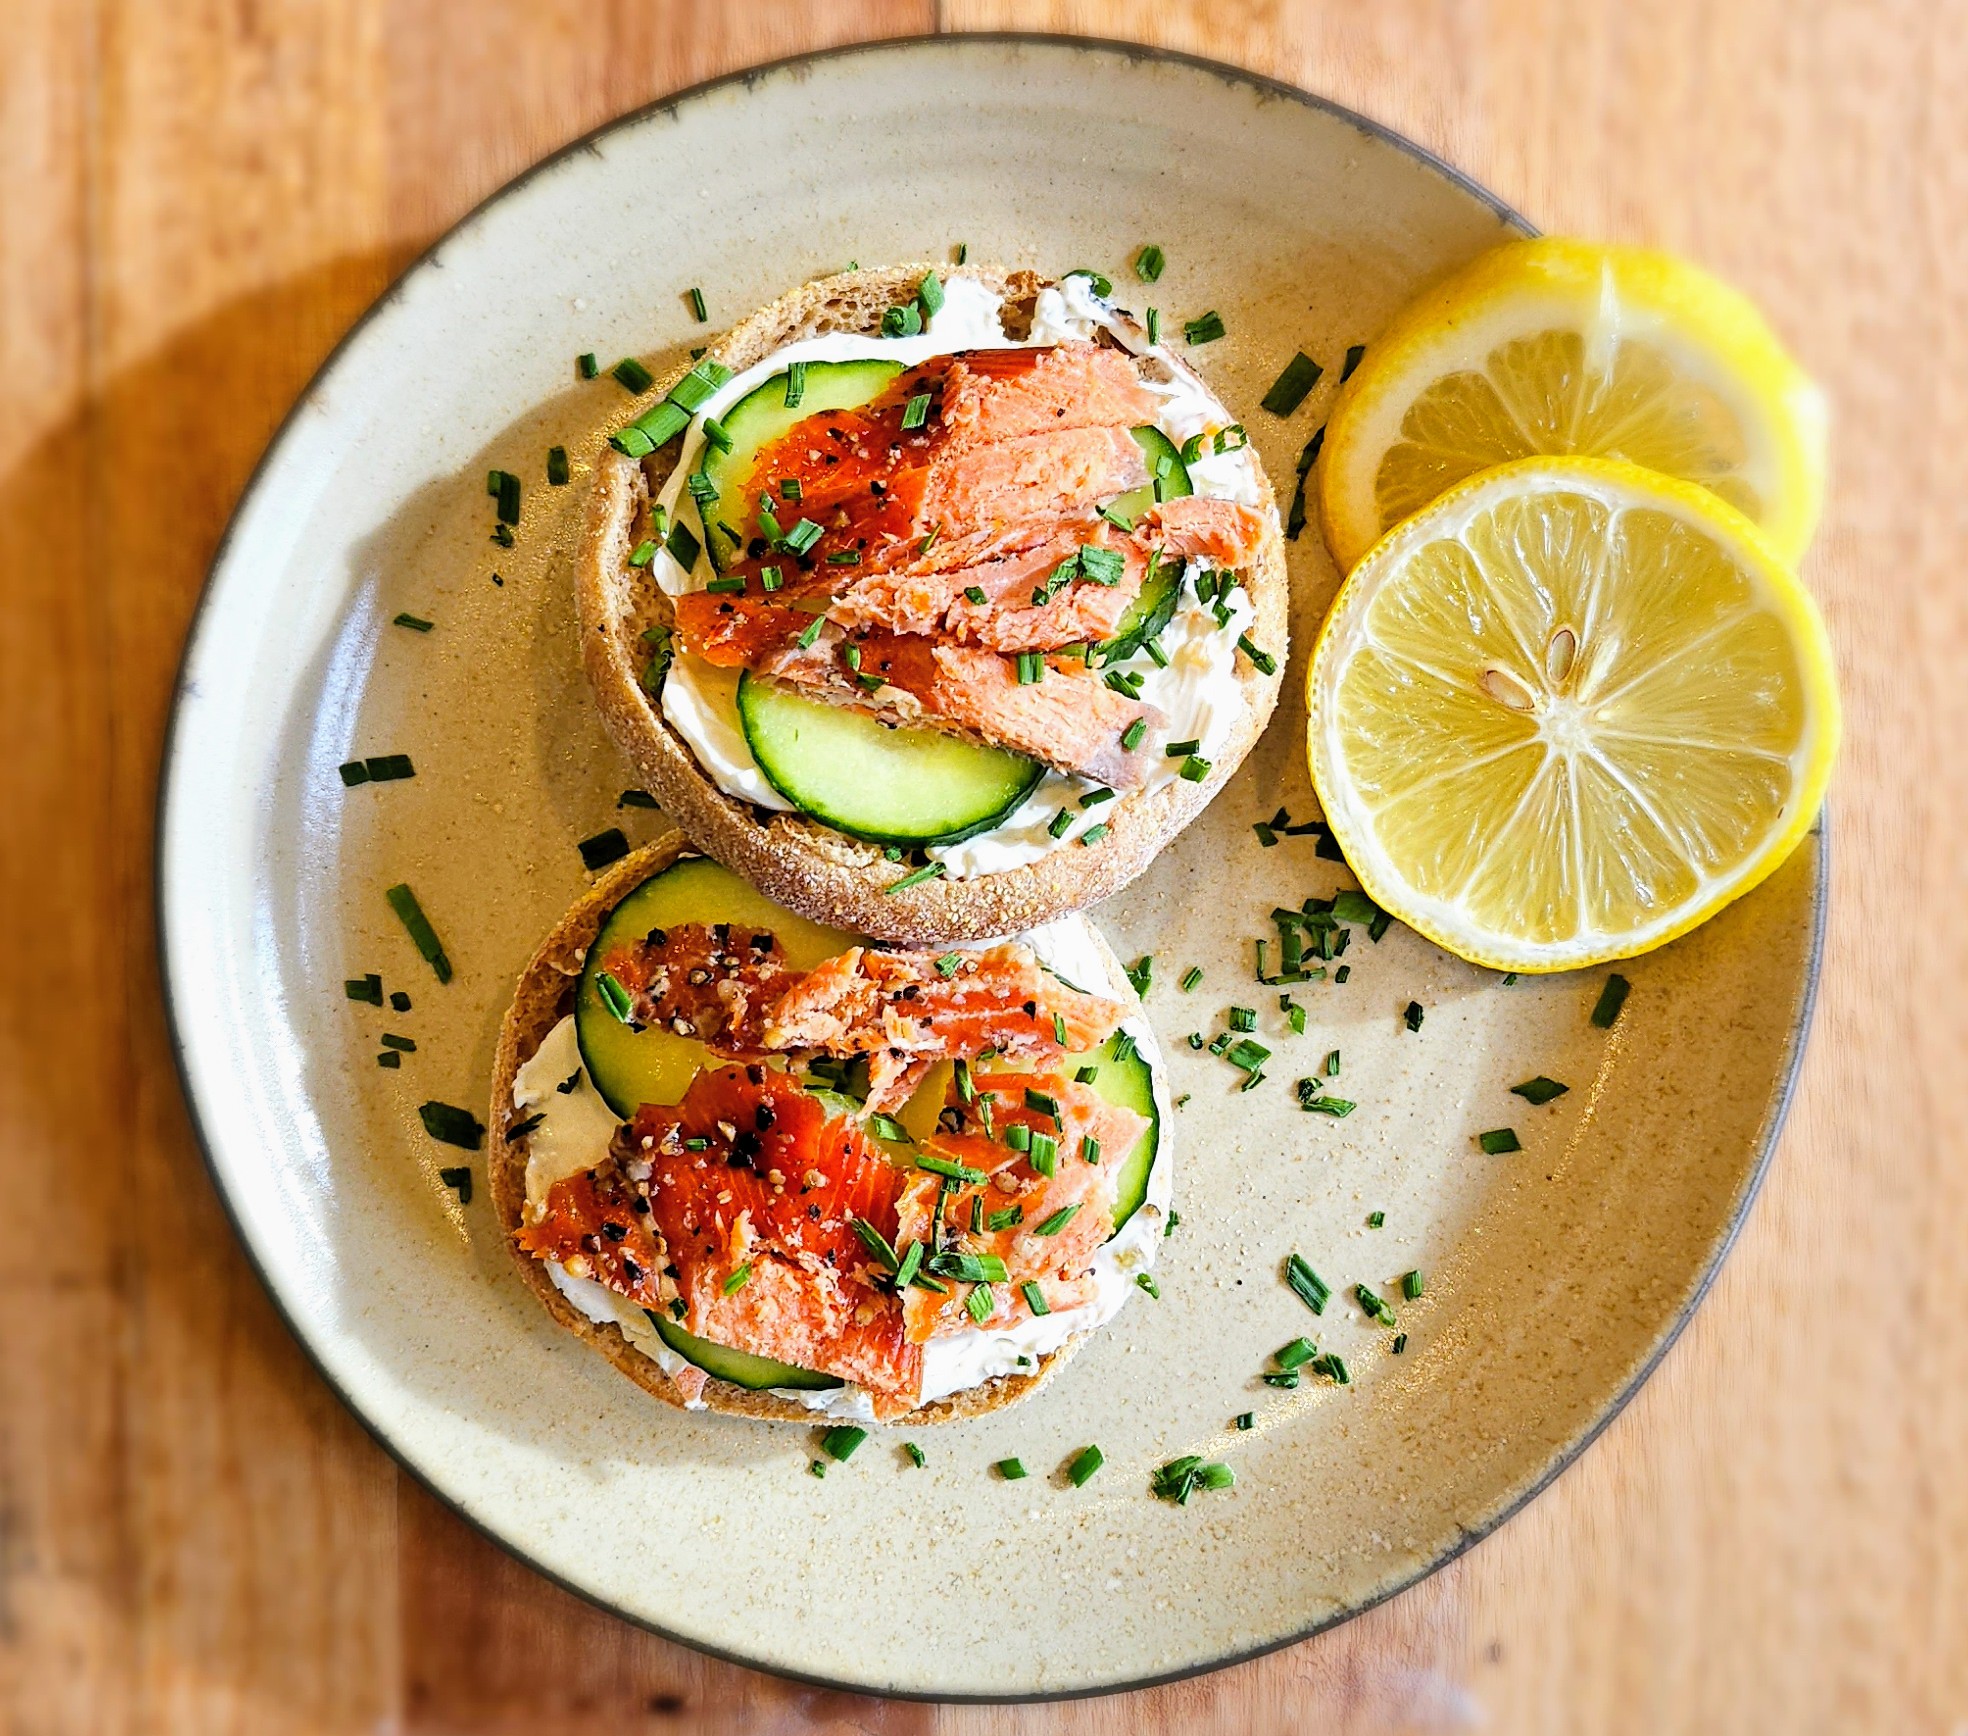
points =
(758, 419)
(1151, 611)
(1129, 1084)
(891, 786)
(1170, 484)
(631, 1068)
(739, 1367)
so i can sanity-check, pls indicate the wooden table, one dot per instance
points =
(201, 195)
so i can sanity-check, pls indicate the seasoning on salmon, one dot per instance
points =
(713, 983)
(755, 1187)
(595, 1224)
(1050, 1151)
(1067, 718)
(905, 1012)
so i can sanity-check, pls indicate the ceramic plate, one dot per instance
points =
(1554, 1276)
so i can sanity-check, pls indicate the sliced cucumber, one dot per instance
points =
(1151, 611)
(892, 786)
(758, 419)
(1170, 483)
(740, 1367)
(1128, 1084)
(630, 1068)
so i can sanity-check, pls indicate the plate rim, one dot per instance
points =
(1776, 1113)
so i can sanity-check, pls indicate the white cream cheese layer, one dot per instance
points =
(1197, 692)
(576, 1127)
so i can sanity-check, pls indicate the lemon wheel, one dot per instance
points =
(1571, 347)
(1569, 711)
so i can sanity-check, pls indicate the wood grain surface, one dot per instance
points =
(197, 197)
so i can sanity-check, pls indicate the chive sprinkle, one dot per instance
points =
(795, 384)
(818, 1468)
(1031, 668)
(1085, 1463)
(1288, 391)
(949, 1167)
(1058, 1221)
(411, 914)
(368, 989)
(1374, 1305)
(1611, 998)
(451, 1126)
(603, 848)
(1400, 1343)
(392, 1041)
(811, 632)
(1295, 1354)
(1306, 1284)
(1034, 1297)
(585, 365)
(1012, 1470)
(1131, 736)
(557, 471)
(1146, 1281)
(916, 412)
(460, 1181)
(1093, 834)
(1205, 330)
(1353, 354)
(1307, 457)
(614, 997)
(839, 1443)
(416, 623)
(1262, 661)
(632, 375)
(1194, 769)
(1412, 1015)
(1376, 1220)
(695, 297)
(1411, 1284)
(916, 1456)
(1148, 263)
(930, 871)
(1499, 1140)
(1540, 1090)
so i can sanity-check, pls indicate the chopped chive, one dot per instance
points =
(839, 1444)
(632, 375)
(1085, 1463)
(1243, 1018)
(1043, 1154)
(875, 1242)
(963, 251)
(1089, 1147)
(802, 536)
(389, 1058)
(916, 412)
(585, 366)
(1058, 1221)
(902, 322)
(737, 1281)
(1611, 998)
(1180, 749)
(1086, 1075)
(642, 554)
(1281, 1377)
(1508, 977)
(460, 1181)
(391, 1041)
(451, 1126)
(818, 1468)
(557, 471)
(1034, 1297)
(614, 997)
(1295, 1354)
(948, 965)
(948, 1167)
(1039, 1101)
(1288, 391)
(811, 632)
(1337, 1107)
(1332, 1064)
(1334, 1368)
(1308, 456)
(974, 595)
(1412, 1015)
(1400, 1343)
(1131, 736)
(1374, 1305)
(1295, 1017)
(353, 772)
(1012, 1470)
(695, 297)
(1351, 906)
(770, 578)
(887, 1127)
(915, 1453)
(981, 1303)
(1306, 1284)
(683, 546)
(1263, 661)
(1247, 1055)
(1205, 330)
(714, 435)
(1148, 264)
(1411, 1284)
(1060, 823)
(1195, 769)
(1146, 1281)
(1344, 971)
(1376, 1220)
(411, 914)
(1499, 1140)
(1093, 834)
(844, 558)
(1142, 973)
(930, 293)
(1152, 319)
(1540, 1090)
(1031, 668)
(911, 1264)
(930, 871)
(1353, 354)
(368, 989)
(416, 623)
(795, 384)
(603, 848)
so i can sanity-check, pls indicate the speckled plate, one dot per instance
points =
(1555, 1276)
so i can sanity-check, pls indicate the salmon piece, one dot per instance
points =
(1002, 394)
(1221, 532)
(713, 983)
(1017, 1197)
(773, 1192)
(596, 1225)
(902, 1012)
(1031, 476)
(1068, 719)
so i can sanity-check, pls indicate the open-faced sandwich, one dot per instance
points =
(767, 1168)
(935, 605)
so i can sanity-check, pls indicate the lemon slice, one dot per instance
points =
(1556, 346)
(1568, 712)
